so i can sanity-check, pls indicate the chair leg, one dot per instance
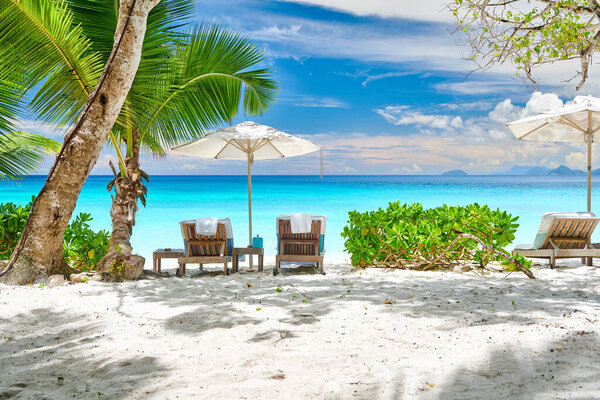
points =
(226, 270)
(276, 269)
(181, 269)
(201, 267)
(590, 261)
(552, 262)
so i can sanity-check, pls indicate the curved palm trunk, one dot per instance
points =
(39, 251)
(119, 261)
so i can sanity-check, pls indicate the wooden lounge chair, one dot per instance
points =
(563, 235)
(206, 249)
(300, 247)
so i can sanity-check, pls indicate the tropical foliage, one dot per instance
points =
(189, 80)
(20, 152)
(82, 246)
(410, 236)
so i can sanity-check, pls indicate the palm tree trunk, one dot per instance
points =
(119, 262)
(39, 251)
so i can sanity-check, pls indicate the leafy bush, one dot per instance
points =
(12, 222)
(82, 247)
(409, 236)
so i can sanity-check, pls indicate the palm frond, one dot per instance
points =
(208, 82)
(41, 47)
(22, 152)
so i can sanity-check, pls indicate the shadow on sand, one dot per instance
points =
(67, 358)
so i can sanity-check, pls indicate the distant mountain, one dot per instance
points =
(525, 170)
(563, 170)
(455, 172)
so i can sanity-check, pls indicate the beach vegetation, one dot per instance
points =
(412, 237)
(44, 50)
(529, 34)
(82, 246)
(188, 81)
(181, 98)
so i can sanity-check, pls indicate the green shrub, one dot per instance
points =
(409, 236)
(12, 222)
(82, 247)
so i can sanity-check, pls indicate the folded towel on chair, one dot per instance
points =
(300, 222)
(206, 226)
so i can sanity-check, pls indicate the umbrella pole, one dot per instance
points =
(250, 261)
(589, 174)
(590, 138)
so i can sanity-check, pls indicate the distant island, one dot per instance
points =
(455, 172)
(563, 170)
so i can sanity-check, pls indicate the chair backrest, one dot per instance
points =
(199, 245)
(298, 243)
(570, 233)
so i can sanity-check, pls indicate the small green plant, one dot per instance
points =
(116, 270)
(410, 236)
(278, 290)
(12, 222)
(83, 248)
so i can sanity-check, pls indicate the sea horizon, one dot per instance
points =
(172, 198)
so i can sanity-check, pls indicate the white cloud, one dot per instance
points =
(294, 37)
(376, 77)
(470, 106)
(481, 143)
(576, 160)
(314, 101)
(26, 125)
(430, 10)
(505, 111)
(402, 115)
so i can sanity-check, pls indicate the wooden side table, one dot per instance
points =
(159, 254)
(250, 251)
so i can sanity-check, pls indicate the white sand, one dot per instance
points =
(446, 336)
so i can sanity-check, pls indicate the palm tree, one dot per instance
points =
(203, 82)
(187, 82)
(50, 59)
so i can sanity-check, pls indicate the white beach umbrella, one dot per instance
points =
(577, 121)
(247, 141)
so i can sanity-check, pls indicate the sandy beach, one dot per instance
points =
(372, 334)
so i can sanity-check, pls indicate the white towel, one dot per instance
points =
(300, 222)
(206, 226)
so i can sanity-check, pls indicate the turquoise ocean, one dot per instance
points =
(173, 198)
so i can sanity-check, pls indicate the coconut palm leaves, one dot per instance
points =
(187, 82)
(206, 81)
(20, 152)
(43, 50)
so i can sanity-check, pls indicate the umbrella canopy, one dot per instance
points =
(261, 142)
(577, 121)
(247, 141)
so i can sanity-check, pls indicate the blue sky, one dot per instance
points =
(383, 86)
